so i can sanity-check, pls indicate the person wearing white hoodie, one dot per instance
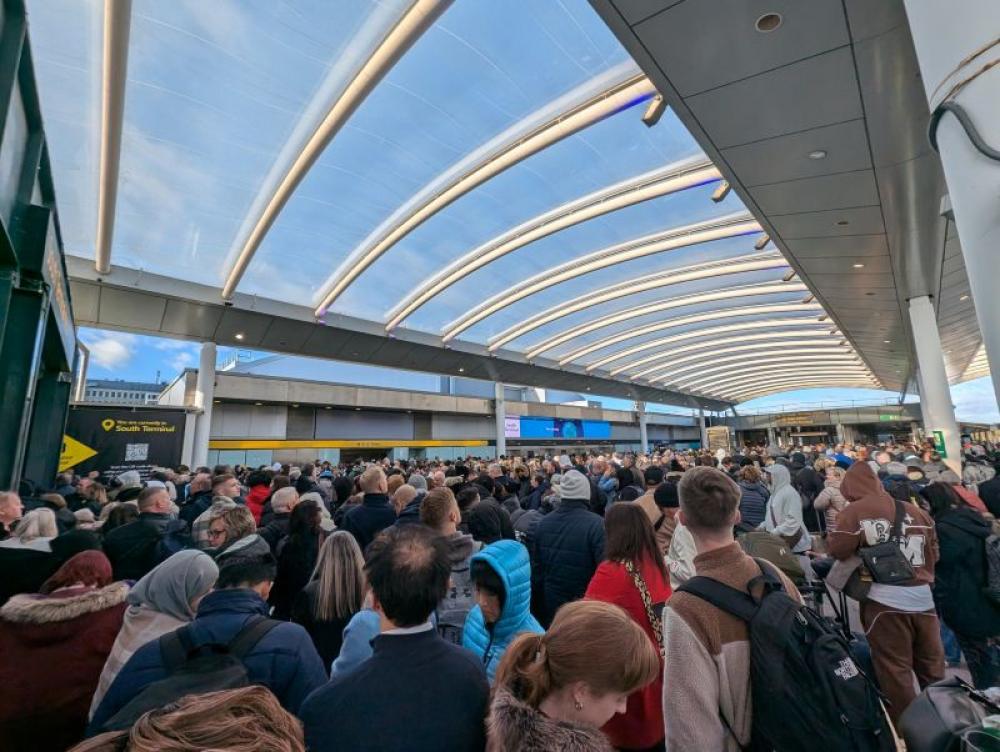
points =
(784, 510)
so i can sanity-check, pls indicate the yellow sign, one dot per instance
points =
(73, 453)
(107, 424)
(137, 426)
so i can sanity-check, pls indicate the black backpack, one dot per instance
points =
(807, 691)
(194, 670)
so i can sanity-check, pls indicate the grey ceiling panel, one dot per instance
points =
(252, 327)
(772, 103)
(854, 245)
(86, 301)
(635, 11)
(190, 319)
(734, 49)
(288, 336)
(838, 191)
(776, 160)
(131, 309)
(865, 220)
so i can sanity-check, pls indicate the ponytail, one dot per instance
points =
(525, 668)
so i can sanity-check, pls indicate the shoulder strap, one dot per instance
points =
(897, 525)
(252, 632)
(655, 622)
(659, 522)
(174, 648)
(723, 597)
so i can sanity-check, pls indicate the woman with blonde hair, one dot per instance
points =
(230, 721)
(335, 593)
(35, 530)
(554, 691)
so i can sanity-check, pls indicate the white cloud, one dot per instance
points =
(113, 350)
(182, 361)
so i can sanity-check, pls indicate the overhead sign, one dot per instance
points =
(718, 438)
(120, 439)
(531, 427)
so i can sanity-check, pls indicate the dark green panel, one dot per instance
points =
(48, 420)
(19, 357)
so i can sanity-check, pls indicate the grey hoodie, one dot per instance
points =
(784, 509)
(461, 596)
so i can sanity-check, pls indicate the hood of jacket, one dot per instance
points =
(64, 605)
(513, 724)
(780, 477)
(460, 547)
(860, 482)
(232, 601)
(510, 560)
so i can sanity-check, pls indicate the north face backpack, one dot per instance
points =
(807, 692)
(194, 670)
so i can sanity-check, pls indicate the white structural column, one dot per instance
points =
(935, 397)
(204, 393)
(955, 42)
(501, 417)
(772, 437)
(702, 430)
(640, 412)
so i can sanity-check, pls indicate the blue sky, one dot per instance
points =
(134, 357)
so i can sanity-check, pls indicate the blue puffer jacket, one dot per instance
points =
(285, 660)
(509, 559)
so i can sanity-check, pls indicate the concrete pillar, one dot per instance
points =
(187, 447)
(702, 429)
(80, 377)
(914, 432)
(772, 438)
(204, 393)
(640, 411)
(935, 397)
(500, 409)
(952, 42)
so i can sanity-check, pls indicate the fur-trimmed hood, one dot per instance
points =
(63, 605)
(514, 726)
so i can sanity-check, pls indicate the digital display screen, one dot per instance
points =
(556, 428)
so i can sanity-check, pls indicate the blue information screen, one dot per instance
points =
(559, 428)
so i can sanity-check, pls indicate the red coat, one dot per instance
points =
(255, 501)
(641, 725)
(52, 651)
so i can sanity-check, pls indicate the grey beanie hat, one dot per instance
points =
(574, 485)
(418, 481)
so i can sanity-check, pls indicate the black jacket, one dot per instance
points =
(417, 693)
(410, 514)
(960, 574)
(137, 547)
(989, 492)
(196, 506)
(327, 636)
(275, 530)
(296, 561)
(567, 547)
(369, 518)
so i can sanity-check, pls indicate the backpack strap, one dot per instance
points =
(174, 648)
(897, 525)
(252, 633)
(722, 596)
(659, 522)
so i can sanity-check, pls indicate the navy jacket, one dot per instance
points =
(567, 547)
(369, 518)
(196, 506)
(753, 503)
(417, 693)
(410, 514)
(284, 660)
(137, 547)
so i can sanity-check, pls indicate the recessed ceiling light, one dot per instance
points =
(357, 408)
(887, 341)
(859, 266)
(461, 370)
(768, 22)
(328, 407)
(295, 404)
(963, 297)
(258, 403)
(817, 154)
(239, 335)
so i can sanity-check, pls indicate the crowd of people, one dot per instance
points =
(521, 604)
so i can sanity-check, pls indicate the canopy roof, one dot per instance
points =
(488, 174)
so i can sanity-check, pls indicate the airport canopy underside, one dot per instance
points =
(494, 189)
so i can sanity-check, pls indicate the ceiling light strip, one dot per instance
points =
(711, 348)
(519, 146)
(726, 293)
(669, 240)
(724, 313)
(678, 177)
(411, 25)
(117, 25)
(736, 265)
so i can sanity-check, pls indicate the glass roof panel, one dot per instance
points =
(480, 69)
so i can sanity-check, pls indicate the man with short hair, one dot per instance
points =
(568, 545)
(653, 477)
(284, 660)
(434, 693)
(374, 513)
(706, 680)
(440, 513)
(283, 501)
(135, 548)
(199, 497)
(436, 479)
(11, 510)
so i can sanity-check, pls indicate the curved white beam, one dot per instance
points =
(847, 361)
(117, 25)
(677, 177)
(709, 362)
(668, 240)
(736, 265)
(787, 386)
(710, 348)
(407, 30)
(579, 109)
(724, 313)
(726, 293)
(717, 383)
